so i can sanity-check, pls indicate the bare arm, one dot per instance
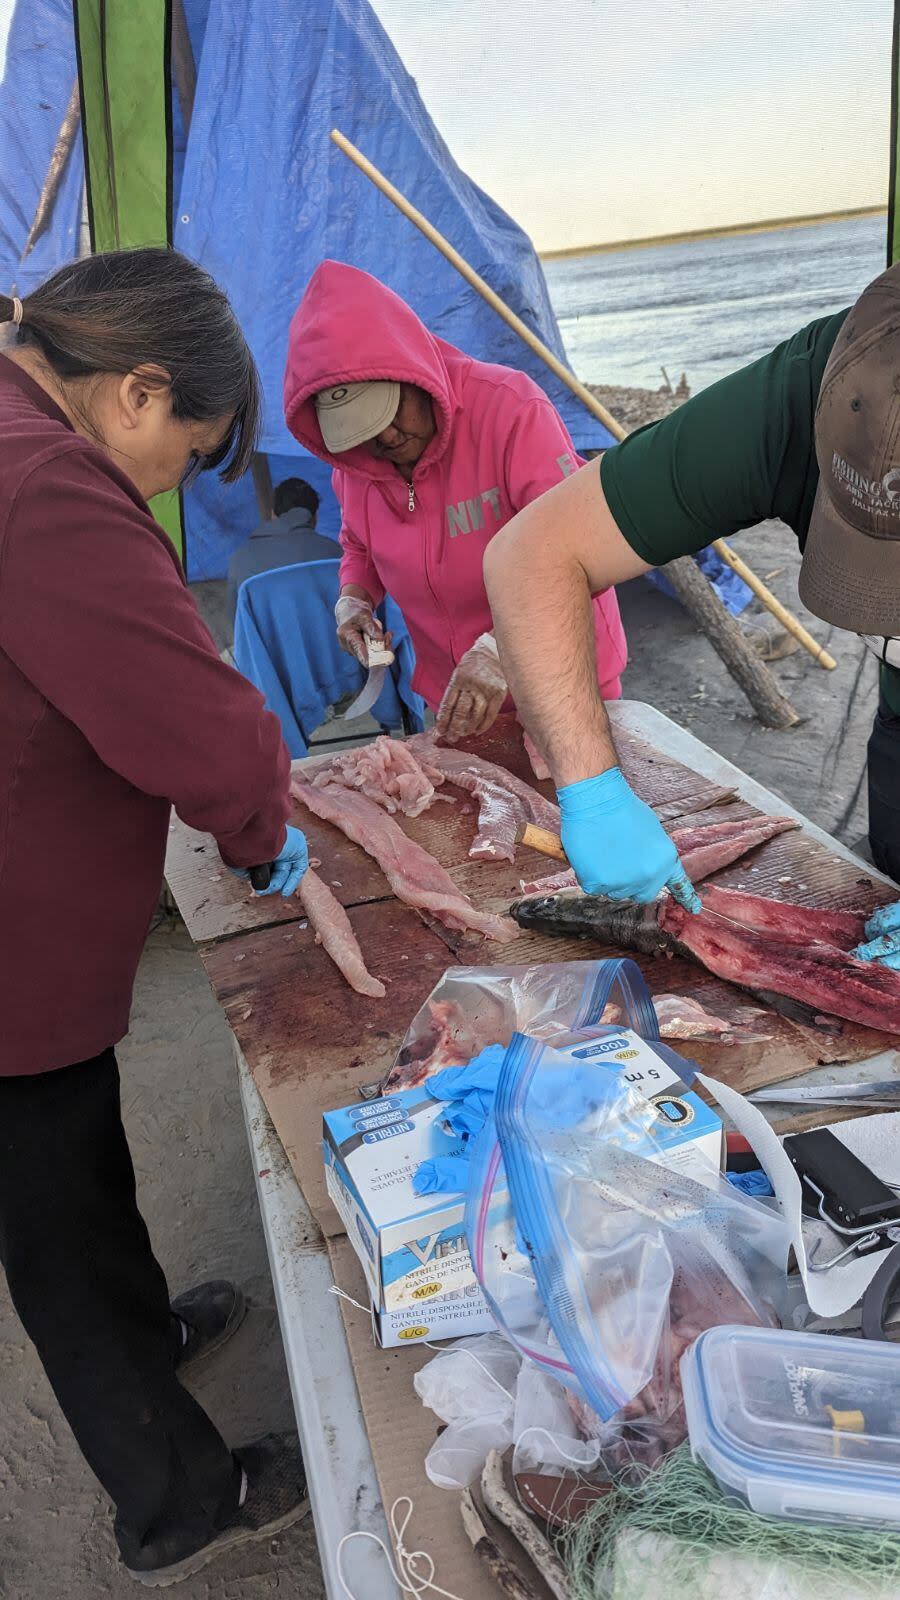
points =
(541, 571)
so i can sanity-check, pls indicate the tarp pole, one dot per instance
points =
(765, 595)
(61, 152)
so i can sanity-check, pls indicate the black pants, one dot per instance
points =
(884, 791)
(91, 1295)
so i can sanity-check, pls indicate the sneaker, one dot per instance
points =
(211, 1313)
(276, 1498)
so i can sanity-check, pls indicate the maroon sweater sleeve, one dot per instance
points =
(95, 613)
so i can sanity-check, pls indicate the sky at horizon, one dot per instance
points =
(593, 123)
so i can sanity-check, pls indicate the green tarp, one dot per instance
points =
(124, 52)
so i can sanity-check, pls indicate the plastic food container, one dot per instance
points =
(801, 1426)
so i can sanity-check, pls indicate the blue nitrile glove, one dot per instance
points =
(470, 1090)
(617, 845)
(755, 1183)
(555, 1099)
(288, 866)
(883, 938)
(442, 1175)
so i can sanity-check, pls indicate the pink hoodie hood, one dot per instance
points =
(499, 445)
(349, 328)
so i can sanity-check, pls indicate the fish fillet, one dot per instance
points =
(387, 772)
(703, 849)
(786, 960)
(451, 1041)
(504, 801)
(414, 875)
(334, 932)
(843, 929)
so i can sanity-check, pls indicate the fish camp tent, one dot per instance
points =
(205, 124)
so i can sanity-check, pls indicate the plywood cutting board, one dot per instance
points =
(311, 1042)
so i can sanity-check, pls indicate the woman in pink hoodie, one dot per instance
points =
(433, 452)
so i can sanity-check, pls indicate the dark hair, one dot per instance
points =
(126, 309)
(293, 494)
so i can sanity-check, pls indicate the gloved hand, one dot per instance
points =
(616, 844)
(475, 693)
(882, 938)
(288, 867)
(356, 622)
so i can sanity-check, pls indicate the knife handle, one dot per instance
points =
(541, 839)
(261, 876)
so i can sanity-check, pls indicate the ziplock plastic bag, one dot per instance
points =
(599, 1262)
(472, 1007)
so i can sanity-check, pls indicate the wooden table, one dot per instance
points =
(304, 1044)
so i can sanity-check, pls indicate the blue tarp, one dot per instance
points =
(38, 79)
(262, 196)
(266, 196)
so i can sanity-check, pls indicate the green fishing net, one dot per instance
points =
(674, 1536)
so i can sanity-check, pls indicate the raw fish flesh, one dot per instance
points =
(387, 772)
(504, 801)
(703, 849)
(414, 875)
(781, 958)
(334, 932)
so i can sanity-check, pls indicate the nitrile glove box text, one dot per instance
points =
(412, 1247)
(687, 1135)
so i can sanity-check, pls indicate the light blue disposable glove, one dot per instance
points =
(882, 938)
(617, 845)
(442, 1175)
(288, 866)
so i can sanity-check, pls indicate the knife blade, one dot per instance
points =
(885, 1093)
(379, 661)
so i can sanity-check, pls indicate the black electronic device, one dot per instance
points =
(841, 1188)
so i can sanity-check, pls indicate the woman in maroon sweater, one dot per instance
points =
(119, 377)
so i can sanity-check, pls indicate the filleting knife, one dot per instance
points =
(379, 661)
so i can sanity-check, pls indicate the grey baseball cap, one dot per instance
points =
(851, 563)
(351, 413)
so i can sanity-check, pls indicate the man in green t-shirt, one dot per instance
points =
(810, 434)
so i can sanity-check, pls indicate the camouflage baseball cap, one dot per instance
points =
(851, 563)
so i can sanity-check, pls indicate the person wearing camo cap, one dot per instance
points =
(809, 433)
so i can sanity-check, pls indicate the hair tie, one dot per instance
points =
(18, 310)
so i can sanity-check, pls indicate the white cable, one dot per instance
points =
(460, 1350)
(343, 1295)
(575, 1461)
(407, 1579)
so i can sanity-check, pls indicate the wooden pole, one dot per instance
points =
(262, 483)
(793, 625)
(61, 152)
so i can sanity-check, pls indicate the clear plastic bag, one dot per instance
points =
(489, 1399)
(472, 1388)
(600, 1262)
(472, 1007)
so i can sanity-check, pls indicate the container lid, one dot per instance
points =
(795, 1408)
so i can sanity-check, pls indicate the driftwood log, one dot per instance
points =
(509, 1581)
(699, 598)
(501, 1502)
